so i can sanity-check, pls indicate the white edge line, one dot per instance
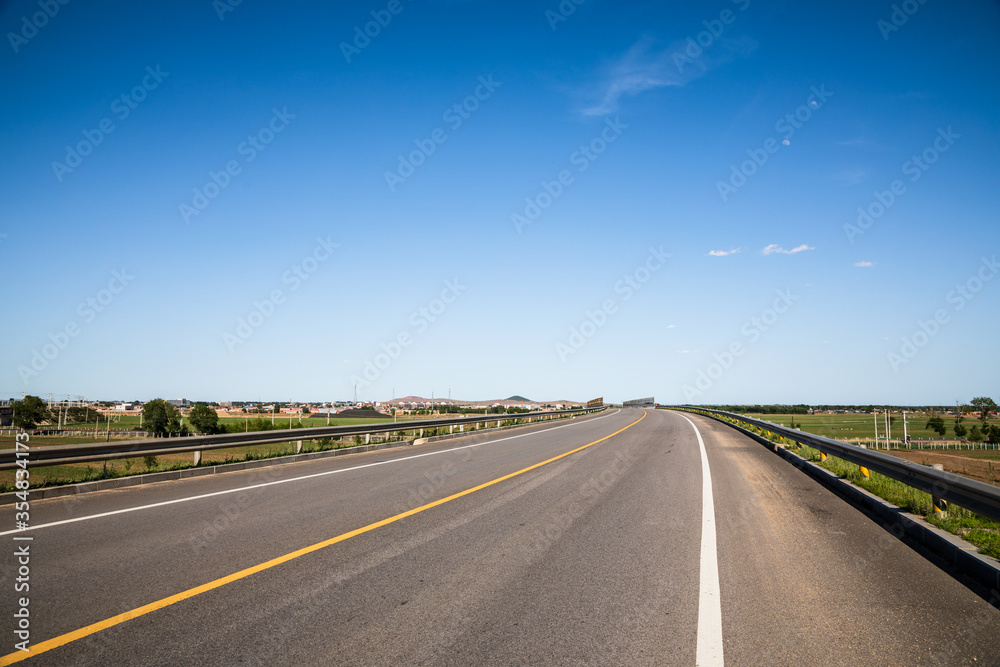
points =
(292, 479)
(710, 646)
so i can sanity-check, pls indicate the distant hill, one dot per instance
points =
(519, 398)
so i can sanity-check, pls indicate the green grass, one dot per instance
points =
(982, 532)
(850, 425)
(43, 476)
(131, 423)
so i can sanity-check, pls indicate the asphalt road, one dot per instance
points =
(595, 558)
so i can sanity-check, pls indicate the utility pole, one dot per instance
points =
(875, 412)
(888, 429)
(906, 437)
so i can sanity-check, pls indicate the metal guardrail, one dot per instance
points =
(964, 492)
(122, 449)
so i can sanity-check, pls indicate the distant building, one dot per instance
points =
(179, 402)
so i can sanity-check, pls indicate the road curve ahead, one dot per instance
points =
(594, 541)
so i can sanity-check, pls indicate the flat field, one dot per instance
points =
(848, 426)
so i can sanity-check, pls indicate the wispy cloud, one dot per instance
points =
(848, 177)
(864, 264)
(645, 67)
(855, 141)
(671, 326)
(723, 253)
(775, 248)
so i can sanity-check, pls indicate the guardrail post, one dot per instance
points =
(298, 446)
(940, 504)
(865, 471)
(197, 457)
(368, 438)
(451, 429)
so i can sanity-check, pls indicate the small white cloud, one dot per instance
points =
(723, 253)
(671, 326)
(775, 248)
(864, 264)
(686, 351)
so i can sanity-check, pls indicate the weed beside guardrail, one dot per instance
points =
(979, 530)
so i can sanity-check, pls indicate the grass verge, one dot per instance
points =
(980, 531)
(75, 473)
(976, 529)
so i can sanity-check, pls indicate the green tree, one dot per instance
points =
(985, 406)
(960, 430)
(160, 418)
(975, 435)
(78, 415)
(936, 424)
(205, 419)
(992, 433)
(31, 411)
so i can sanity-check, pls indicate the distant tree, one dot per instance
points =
(204, 419)
(305, 410)
(975, 435)
(985, 406)
(31, 411)
(160, 418)
(78, 415)
(936, 424)
(992, 433)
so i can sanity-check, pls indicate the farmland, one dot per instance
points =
(861, 427)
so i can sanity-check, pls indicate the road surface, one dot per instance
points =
(554, 544)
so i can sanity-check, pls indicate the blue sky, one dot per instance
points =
(517, 243)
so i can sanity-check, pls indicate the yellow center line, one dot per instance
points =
(61, 640)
